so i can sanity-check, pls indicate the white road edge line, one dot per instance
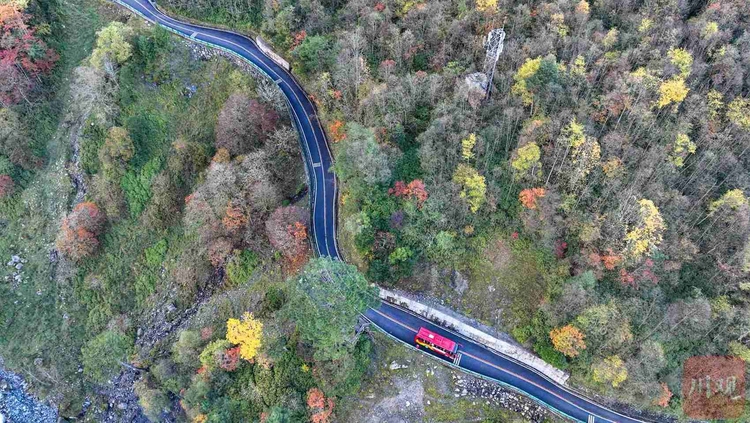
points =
(177, 24)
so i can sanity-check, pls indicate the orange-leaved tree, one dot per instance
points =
(287, 230)
(529, 196)
(77, 239)
(337, 131)
(320, 407)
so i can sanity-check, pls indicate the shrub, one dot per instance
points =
(14, 139)
(187, 348)
(153, 401)
(240, 267)
(137, 186)
(212, 356)
(78, 237)
(6, 186)
(102, 355)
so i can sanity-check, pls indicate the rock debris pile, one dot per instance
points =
(494, 394)
(16, 405)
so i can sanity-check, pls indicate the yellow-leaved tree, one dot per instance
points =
(709, 29)
(611, 371)
(486, 5)
(578, 67)
(112, 46)
(526, 159)
(681, 59)
(585, 152)
(473, 187)
(732, 199)
(715, 104)
(583, 8)
(529, 68)
(738, 112)
(681, 149)
(672, 91)
(647, 233)
(247, 333)
(467, 146)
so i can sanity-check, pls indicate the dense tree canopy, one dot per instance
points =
(329, 296)
(23, 55)
(595, 206)
(244, 124)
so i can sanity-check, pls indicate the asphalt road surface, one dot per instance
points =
(394, 321)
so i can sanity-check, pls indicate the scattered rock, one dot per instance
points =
(16, 262)
(395, 366)
(16, 405)
(405, 407)
(459, 282)
(472, 88)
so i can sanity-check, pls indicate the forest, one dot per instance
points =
(593, 206)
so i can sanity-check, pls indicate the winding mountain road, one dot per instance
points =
(394, 321)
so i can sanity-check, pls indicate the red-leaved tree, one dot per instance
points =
(414, 190)
(23, 56)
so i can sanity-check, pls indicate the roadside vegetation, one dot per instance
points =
(171, 209)
(595, 207)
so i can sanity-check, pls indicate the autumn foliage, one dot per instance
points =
(568, 340)
(337, 131)
(321, 408)
(413, 190)
(244, 124)
(609, 259)
(246, 333)
(230, 359)
(287, 231)
(234, 218)
(23, 56)
(666, 395)
(219, 250)
(78, 237)
(529, 196)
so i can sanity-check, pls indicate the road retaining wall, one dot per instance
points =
(266, 49)
(476, 335)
